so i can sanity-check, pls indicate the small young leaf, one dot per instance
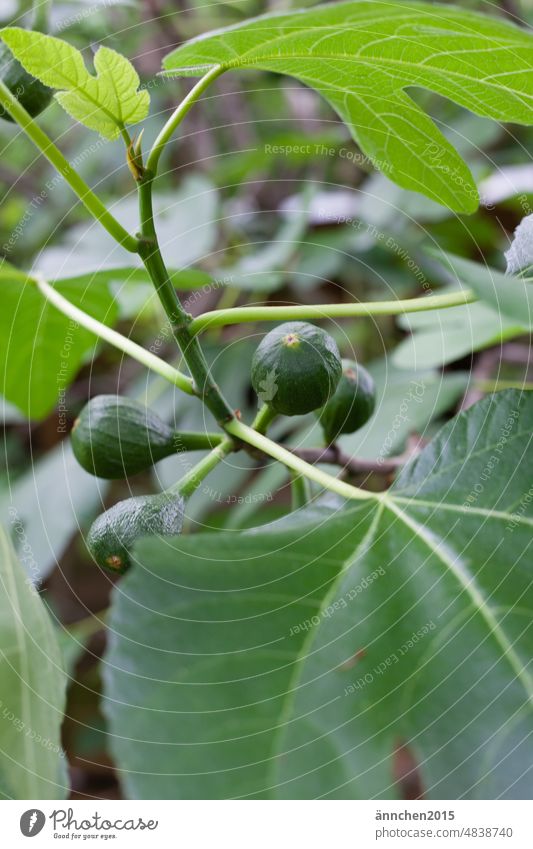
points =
(105, 103)
(362, 56)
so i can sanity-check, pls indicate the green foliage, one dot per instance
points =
(192, 278)
(509, 296)
(288, 661)
(264, 269)
(361, 56)
(107, 102)
(186, 224)
(41, 343)
(32, 689)
(52, 499)
(444, 336)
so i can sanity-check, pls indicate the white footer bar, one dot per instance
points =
(268, 825)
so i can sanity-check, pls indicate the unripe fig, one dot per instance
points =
(296, 368)
(114, 437)
(352, 404)
(114, 533)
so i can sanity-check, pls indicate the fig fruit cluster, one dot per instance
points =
(115, 437)
(296, 369)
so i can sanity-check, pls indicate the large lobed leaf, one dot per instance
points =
(362, 56)
(106, 102)
(290, 660)
(32, 689)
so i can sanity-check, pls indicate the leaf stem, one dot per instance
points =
(78, 185)
(238, 315)
(267, 446)
(116, 339)
(178, 115)
(190, 482)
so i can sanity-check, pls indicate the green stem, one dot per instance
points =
(179, 319)
(150, 253)
(91, 202)
(189, 441)
(116, 339)
(238, 315)
(267, 446)
(496, 385)
(85, 628)
(41, 15)
(300, 491)
(177, 117)
(190, 482)
(264, 417)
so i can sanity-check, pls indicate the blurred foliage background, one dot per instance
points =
(265, 197)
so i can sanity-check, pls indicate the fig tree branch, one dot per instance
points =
(179, 319)
(353, 465)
